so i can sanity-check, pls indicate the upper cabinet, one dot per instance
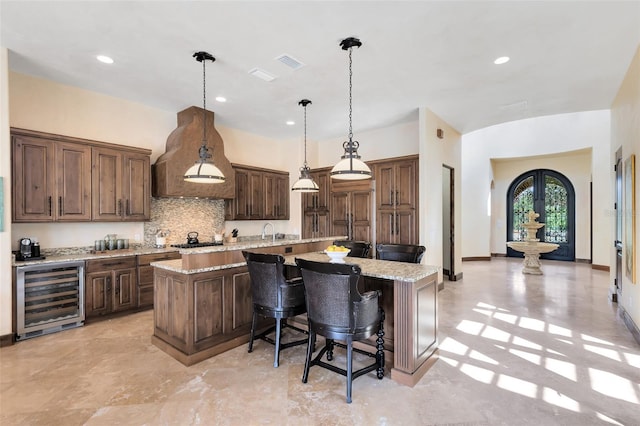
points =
(58, 178)
(51, 180)
(120, 185)
(316, 222)
(260, 194)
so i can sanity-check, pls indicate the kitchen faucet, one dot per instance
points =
(273, 231)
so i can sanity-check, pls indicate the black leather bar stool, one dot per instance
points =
(400, 252)
(358, 248)
(274, 297)
(337, 311)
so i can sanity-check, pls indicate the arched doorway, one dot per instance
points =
(550, 194)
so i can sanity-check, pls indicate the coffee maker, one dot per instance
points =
(28, 249)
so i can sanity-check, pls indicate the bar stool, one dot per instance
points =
(358, 248)
(337, 311)
(400, 252)
(274, 297)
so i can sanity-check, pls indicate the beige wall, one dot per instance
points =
(5, 172)
(625, 134)
(434, 153)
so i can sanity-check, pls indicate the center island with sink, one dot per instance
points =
(203, 305)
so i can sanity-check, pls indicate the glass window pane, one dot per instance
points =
(556, 215)
(522, 203)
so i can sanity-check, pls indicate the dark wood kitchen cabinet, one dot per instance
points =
(121, 189)
(261, 194)
(65, 179)
(352, 209)
(110, 286)
(51, 179)
(145, 275)
(397, 200)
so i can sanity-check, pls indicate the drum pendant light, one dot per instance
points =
(305, 183)
(204, 171)
(350, 167)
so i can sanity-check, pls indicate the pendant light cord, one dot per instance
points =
(204, 104)
(305, 135)
(350, 96)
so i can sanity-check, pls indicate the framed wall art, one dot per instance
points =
(629, 245)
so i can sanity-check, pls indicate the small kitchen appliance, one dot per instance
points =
(28, 249)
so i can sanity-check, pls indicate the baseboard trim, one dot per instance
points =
(7, 340)
(456, 277)
(474, 258)
(498, 254)
(600, 267)
(628, 321)
(582, 260)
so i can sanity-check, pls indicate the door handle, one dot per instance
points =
(128, 211)
(49, 205)
(397, 196)
(59, 206)
(391, 197)
(397, 225)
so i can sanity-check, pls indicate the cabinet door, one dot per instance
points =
(386, 225)
(73, 170)
(315, 224)
(33, 180)
(405, 184)
(97, 296)
(238, 295)
(360, 215)
(405, 227)
(136, 187)
(240, 206)
(124, 289)
(106, 185)
(256, 196)
(340, 214)
(282, 197)
(385, 186)
(270, 196)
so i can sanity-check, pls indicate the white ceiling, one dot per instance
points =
(566, 56)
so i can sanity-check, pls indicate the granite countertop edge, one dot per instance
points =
(152, 250)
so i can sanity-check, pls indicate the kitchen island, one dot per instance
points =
(203, 311)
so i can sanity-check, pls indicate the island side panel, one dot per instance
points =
(416, 325)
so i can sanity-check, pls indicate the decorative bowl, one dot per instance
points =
(337, 256)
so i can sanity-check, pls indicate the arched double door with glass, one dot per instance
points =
(551, 195)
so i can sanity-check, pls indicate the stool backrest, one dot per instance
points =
(358, 248)
(400, 252)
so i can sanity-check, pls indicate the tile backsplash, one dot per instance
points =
(183, 215)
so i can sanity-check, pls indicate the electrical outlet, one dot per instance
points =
(136, 237)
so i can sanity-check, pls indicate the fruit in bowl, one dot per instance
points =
(337, 253)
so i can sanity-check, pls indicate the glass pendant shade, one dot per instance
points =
(204, 171)
(305, 183)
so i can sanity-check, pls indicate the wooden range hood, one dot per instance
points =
(182, 152)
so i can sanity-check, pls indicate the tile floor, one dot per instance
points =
(514, 350)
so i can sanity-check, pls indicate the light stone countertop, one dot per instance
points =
(401, 271)
(243, 245)
(91, 256)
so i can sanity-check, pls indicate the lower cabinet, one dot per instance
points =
(200, 315)
(110, 286)
(145, 276)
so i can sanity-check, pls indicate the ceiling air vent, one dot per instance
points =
(290, 61)
(262, 74)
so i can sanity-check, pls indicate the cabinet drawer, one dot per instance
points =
(110, 264)
(146, 259)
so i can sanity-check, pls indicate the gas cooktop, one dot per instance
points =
(197, 245)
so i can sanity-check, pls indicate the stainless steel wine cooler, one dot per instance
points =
(50, 298)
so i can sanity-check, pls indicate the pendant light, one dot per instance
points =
(350, 167)
(305, 183)
(204, 171)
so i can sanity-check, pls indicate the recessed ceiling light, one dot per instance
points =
(104, 59)
(221, 99)
(501, 60)
(290, 123)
